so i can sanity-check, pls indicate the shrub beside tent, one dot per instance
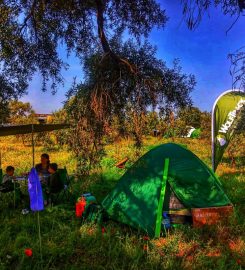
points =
(143, 189)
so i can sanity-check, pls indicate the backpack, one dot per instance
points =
(89, 210)
(94, 213)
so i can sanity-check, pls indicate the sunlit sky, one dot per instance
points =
(202, 52)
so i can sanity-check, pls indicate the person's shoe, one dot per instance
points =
(24, 211)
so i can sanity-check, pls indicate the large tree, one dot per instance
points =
(20, 113)
(31, 32)
(111, 90)
(191, 116)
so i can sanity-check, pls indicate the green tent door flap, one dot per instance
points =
(135, 198)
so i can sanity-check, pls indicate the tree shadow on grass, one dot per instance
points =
(234, 186)
(96, 183)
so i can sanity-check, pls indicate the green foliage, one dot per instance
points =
(240, 122)
(69, 244)
(206, 125)
(191, 116)
(21, 113)
(236, 150)
(31, 31)
(152, 122)
(121, 95)
(4, 110)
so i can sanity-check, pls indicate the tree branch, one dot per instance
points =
(31, 13)
(104, 42)
(100, 23)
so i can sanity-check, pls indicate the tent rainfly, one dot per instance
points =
(31, 128)
(147, 187)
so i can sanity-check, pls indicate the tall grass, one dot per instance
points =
(70, 244)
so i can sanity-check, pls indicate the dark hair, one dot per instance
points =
(53, 166)
(9, 169)
(45, 156)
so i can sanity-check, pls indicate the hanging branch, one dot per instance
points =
(237, 68)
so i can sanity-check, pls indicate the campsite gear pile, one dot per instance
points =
(164, 187)
(83, 203)
(88, 209)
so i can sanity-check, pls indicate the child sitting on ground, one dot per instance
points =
(55, 184)
(7, 182)
(10, 184)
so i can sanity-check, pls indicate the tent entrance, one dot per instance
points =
(174, 212)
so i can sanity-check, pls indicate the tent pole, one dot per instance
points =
(161, 199)
(33, 150)
(1, 156)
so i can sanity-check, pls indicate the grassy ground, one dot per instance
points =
(69, 244)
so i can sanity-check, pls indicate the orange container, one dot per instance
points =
(209, 216)
(80, 207)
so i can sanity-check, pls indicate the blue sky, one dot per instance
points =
(202, 52)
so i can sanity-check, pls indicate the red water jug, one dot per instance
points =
(80, 206)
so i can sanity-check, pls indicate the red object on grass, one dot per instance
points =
(103, 230)
(28, 252)
(80, 207)
(239, 261)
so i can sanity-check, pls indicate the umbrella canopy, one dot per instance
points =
(32, 128)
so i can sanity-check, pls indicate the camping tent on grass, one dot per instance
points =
(144, 191)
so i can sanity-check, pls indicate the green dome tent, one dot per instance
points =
(143, 190)
(196, 133)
